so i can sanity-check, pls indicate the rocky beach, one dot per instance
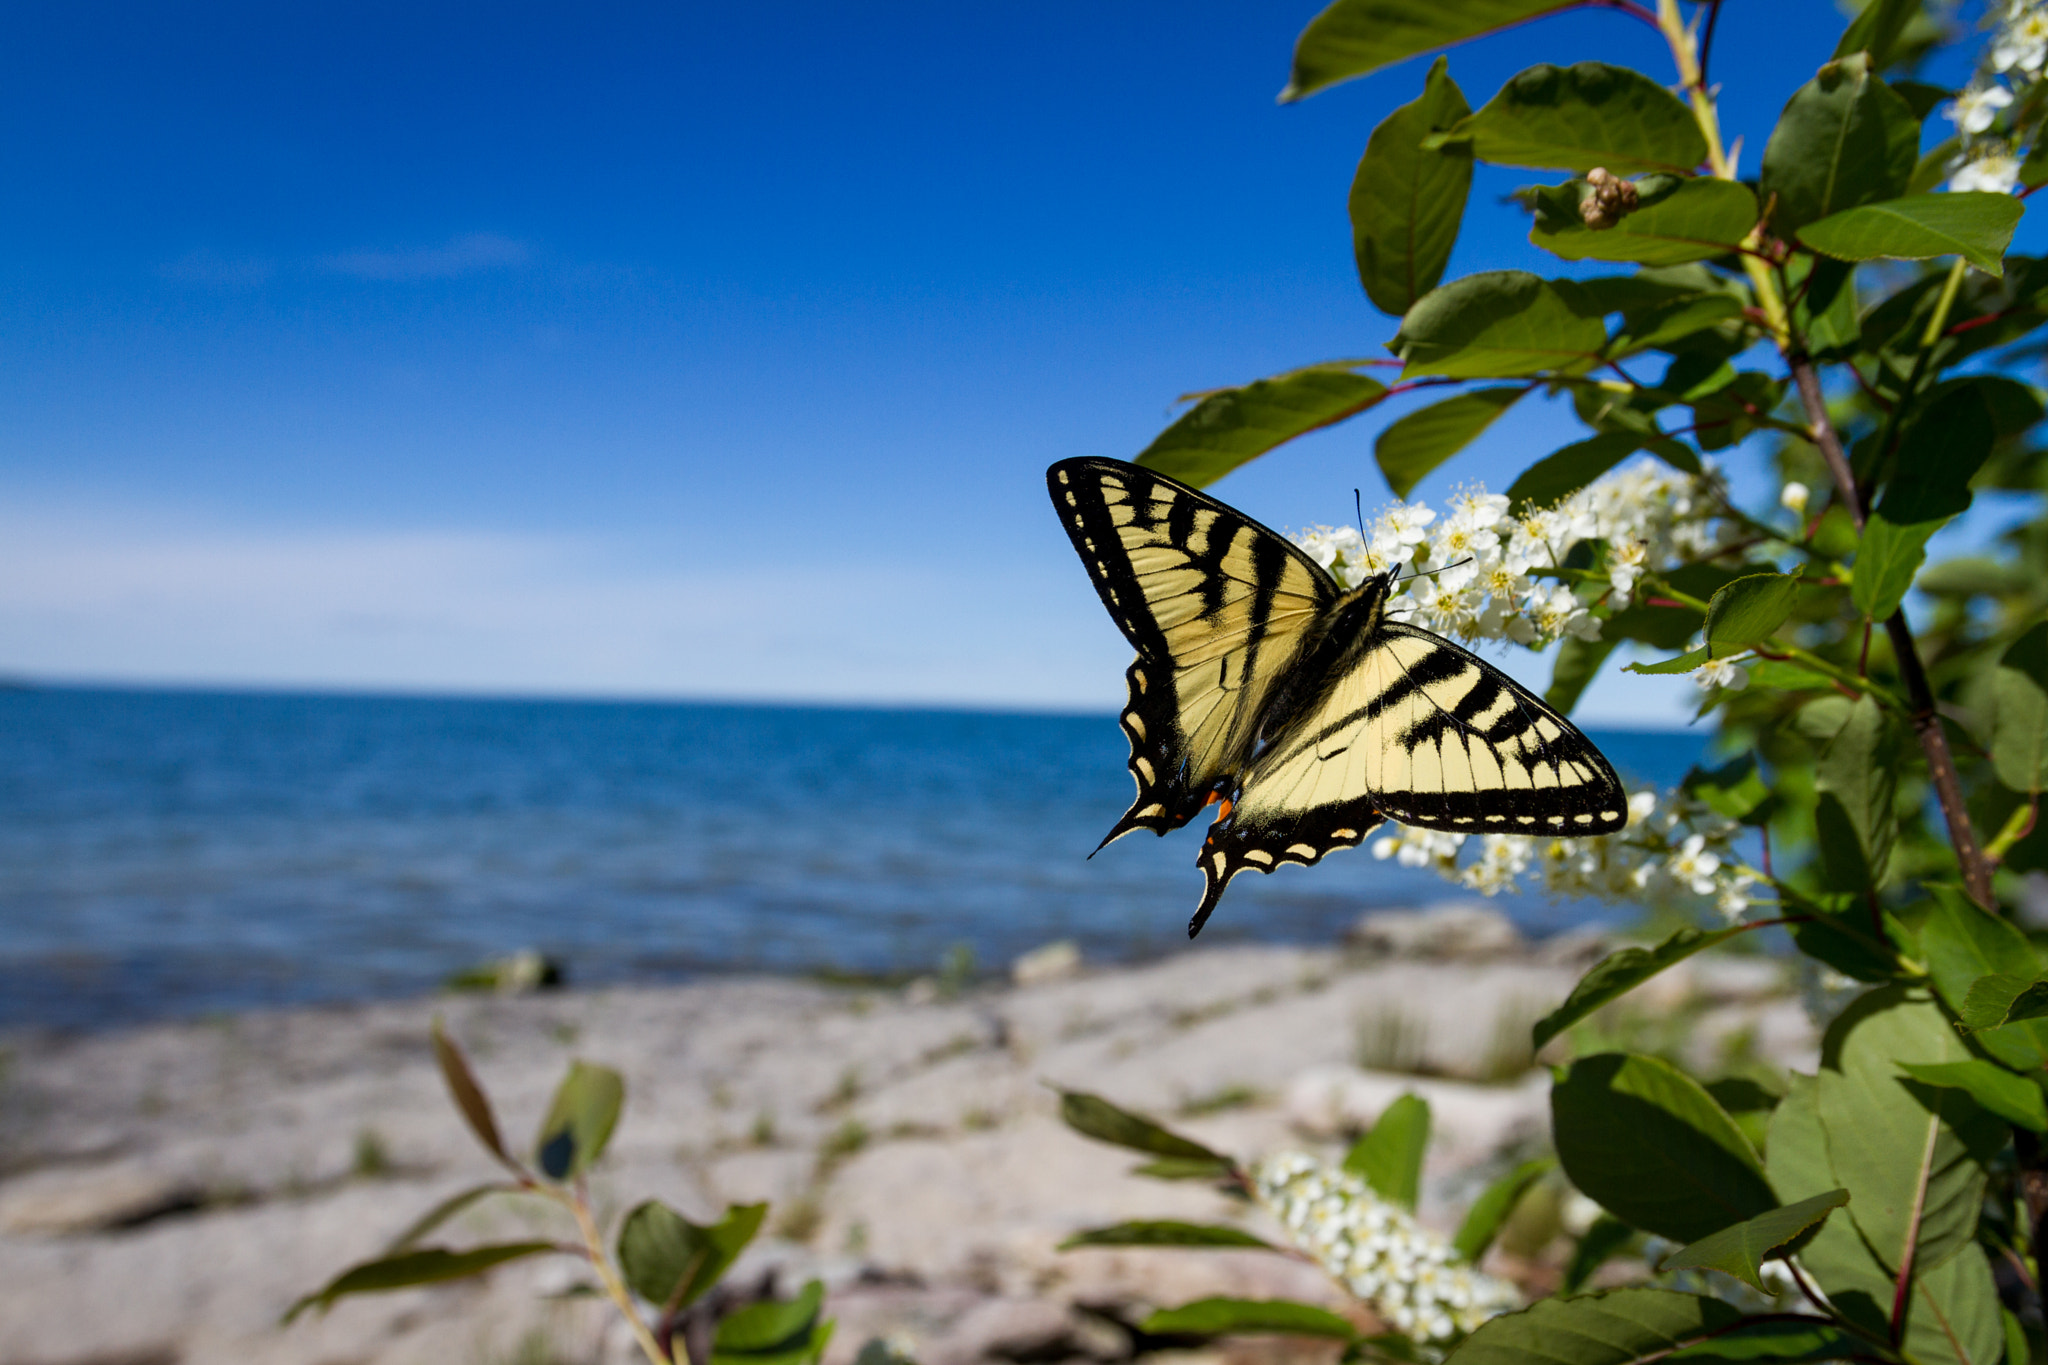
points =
(167, 1192)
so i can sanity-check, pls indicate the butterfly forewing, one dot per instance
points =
(1215, 605)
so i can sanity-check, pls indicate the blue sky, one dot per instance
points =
(676, 350)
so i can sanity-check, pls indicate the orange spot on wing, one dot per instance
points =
(1224, 813)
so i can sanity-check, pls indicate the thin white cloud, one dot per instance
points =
(165, 597)
(472, 253)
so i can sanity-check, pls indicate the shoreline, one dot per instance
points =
(204, 1174)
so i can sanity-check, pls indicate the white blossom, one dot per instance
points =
(2022, 42)
(1976, 109)
(1724, 673)
(1992, 172)
(1794, 498)
(1411, 1277)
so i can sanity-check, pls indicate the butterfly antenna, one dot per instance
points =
(1358, 506)
(1431, 573)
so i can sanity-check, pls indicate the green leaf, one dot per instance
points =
(1887, 558)
(1742, 1250)
(1845, 138)
(1700, 218)
(1879, 1130)
(2019, 726)
(1602, 1242)
(1389, 1157)
(1186, 1168)
(1963, 945)
(1573, 118)
(1974, 225)
(1619, 973)
(1824, 306)
(1500, 324)
(1564, 472)
(1163, 1234)
(1093, 1116)
(2013, 1098)
(429, 1265)
(1613, 1327)
(1483, 1221)
(1676, 322)
(1577, 663)
(1749, 611)
(1997, 1000)
(1230, 427)
(1407, 201)
(1858, 780)
(1684, 663)
(442, 1212)
(1845, 942)
(1735, 791)
(468, 1095)
(1784, 1343)
(774, 1328)
(580, 1121)
(1416, 442)
(670, 1261)
(1227, 1317)
(1356, 37)
(1648, 1144)
(1877, 30)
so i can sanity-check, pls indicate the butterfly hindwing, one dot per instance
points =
(1215, 605)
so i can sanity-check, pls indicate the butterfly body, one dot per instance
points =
(1299, 707)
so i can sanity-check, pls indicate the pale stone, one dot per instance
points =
(1454, 929)
(1053, 962)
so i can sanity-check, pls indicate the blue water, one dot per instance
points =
(177, 853)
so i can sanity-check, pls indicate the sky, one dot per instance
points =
(677, 350)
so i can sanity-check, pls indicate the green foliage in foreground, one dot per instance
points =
(1867, 343)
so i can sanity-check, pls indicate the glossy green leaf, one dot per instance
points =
(2015, 1099)
(442, 1212)
(1619, 973)
(1879, 1129)
(1824, 306)
(1648, 1144)
(1735, 791)
(2019, 727)
(1674, 324)
(1577, 664)
(1845, 138)
(1355, 37)
(580, 1121)
(670, 1261)
(428, 1265)
(1501, 324)
(1573, 118)
(1887, 558)
(1805, 1341)
(1607, 1238)
(468, 1094)
(1963, 945)
(1407, 201)
(1233, 1317)
(1389, 1157)
(1417, 442)
(1857, 777)
(1093, 1116)
(1742, 1250)
(1700, 218)
(1163, 1234)
(1749, 611)
(1954, 1304)
(1613, 1327)
(1490, 1211)
(1877, 30)
(773, 1327)
(1230, 427)
(1974, 225)
(1845, 941)
(1688, 662)
(1999, 999)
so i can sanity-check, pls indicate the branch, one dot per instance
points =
(1941, 764)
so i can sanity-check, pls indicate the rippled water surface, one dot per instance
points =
(174, 853)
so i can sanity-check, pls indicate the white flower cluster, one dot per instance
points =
(1681, 850)
(1483, 564)
(1411, 1277)
(2012, 65)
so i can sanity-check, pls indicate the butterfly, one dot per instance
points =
(1297, 706)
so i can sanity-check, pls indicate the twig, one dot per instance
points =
(1926, 721)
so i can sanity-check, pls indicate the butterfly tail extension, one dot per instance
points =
(1236, 845)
